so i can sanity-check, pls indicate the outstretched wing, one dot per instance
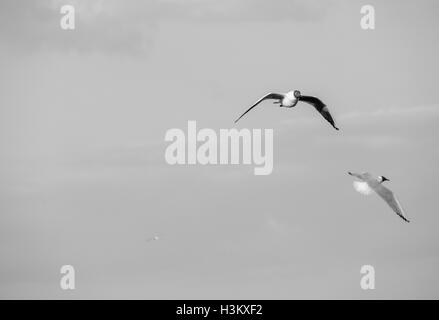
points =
(356, 175)
(365, 176)
(320, 106)
(267, 96)
(391, 200)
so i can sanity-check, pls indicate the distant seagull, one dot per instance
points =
(290, 99)
(368, 183)
(155, 238)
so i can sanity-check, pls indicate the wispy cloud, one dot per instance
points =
(245, 10)
(101, 26)
(130, 27)
(419, 111)
(427, 110)
(390, 127)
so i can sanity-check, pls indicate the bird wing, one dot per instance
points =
(362, 176)
(391, 200)
(357, 175)
(267, 96)
(320, 106)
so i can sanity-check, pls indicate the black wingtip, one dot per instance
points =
(336, 128)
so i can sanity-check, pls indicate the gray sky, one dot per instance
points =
(83, 179)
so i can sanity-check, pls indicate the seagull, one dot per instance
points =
(368, 184)
(290, 99)
(155, 238)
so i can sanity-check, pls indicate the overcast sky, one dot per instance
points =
(83, 179)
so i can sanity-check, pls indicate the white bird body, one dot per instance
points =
(154, 238)
(289, 99)
(362, 187)
(369, 183)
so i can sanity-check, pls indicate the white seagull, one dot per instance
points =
(368, 183)
(155, 238)
(290, 99)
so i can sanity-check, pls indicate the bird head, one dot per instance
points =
(297, 94)
(382, 179)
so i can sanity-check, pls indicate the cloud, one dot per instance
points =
(389, 128)
(417, 111)
(101, 26)
(377, 128)
(130, 27)
(245, 10)
(372, 115)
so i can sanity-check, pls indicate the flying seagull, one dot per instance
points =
(155, 238)
(368, 183)
(290, 99)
